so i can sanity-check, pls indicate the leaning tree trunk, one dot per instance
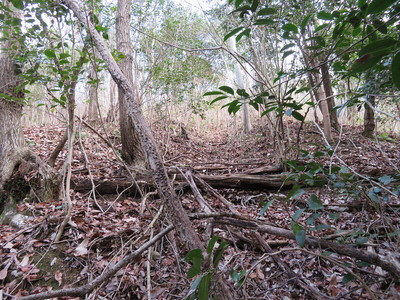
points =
(165, 190)
(131, 148)
(22, 174)
(369, 117)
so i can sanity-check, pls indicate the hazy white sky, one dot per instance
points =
(197, 4)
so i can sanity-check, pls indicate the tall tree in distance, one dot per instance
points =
(131, 149)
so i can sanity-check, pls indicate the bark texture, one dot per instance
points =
(324, 107)
(369, 117)
(11, 142)
(131, 149)
(326, 80)
(93, 114)
(240, 83)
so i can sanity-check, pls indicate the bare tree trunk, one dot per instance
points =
(93, 113)
(319, 95)
(240, 83)
(131, 148)
(313, 95)
(162, 181)
(316, 84)
(369, 117)
(326, 80)
(113, 110)
(11, 142)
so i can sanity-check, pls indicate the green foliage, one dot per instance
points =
(343, 182)
(377, 6)
(380, 47)
(196, 257)
(323, 15)
(17, 3)
(315, 203)
(395, 68)
(289, 27)
(299, 233)
(49, 53)
(262, 101)
(295, 192)
(176, 75)
(265, 208)
(204, 268)
(233, 32)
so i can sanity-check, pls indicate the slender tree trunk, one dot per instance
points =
(240, 83)
(319, 94)
(316, 84)
(369, 117)
(313, 95)
(93, 113)
(112, 113)
(131, 148)
(326, 80)
(326, 117)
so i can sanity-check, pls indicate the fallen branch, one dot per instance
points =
(197, 195)
(107, 274)
(206, 187)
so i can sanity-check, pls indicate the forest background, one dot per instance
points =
(135, 113)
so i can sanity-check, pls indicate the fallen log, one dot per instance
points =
(245, 181)
(238, 181)
(264, 169)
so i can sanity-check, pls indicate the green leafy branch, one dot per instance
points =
(204, 268)
(262, 101)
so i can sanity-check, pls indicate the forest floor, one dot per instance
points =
(104, 228)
